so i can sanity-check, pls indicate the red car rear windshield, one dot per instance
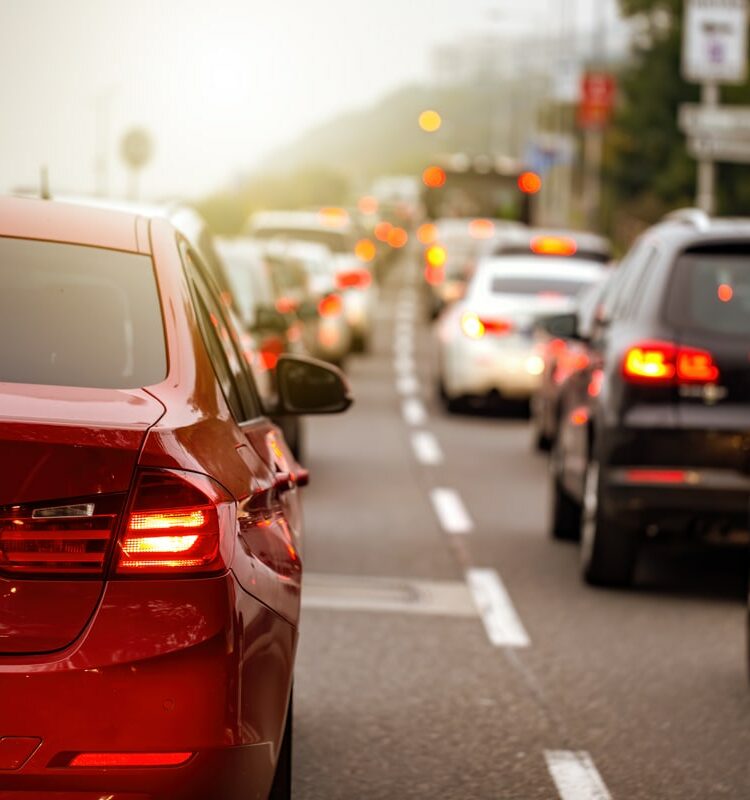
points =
(78, 316)
(710, 291)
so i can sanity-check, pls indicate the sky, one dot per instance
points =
(218, 84)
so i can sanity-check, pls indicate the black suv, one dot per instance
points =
(655, 433)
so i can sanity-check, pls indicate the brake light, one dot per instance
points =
(70, 539)
(175, 525)
(595, 384)
(354, 279)
(129, 759)
(481, 229)
(381, 231)
(271, 350)
(286, 305)
(434, 275)
(554, 246)
(330, 306)
(663, 476)
(365, 250)
(725, 293)
(476, 327)
(666, 363)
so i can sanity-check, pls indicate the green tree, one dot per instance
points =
(647, 168)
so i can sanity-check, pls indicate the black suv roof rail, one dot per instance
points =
(690, 216)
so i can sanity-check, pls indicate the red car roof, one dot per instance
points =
(28, 218)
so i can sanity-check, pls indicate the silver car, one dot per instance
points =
(485, 343)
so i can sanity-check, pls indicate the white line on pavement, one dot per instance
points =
(407, 385)
(413, 411)
(501, 622)
(452, 513)
(575, 775)
(403, 346)
(426, 448)
(404, 364)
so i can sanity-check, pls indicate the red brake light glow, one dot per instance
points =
(725, 293)
(270, 352)
(481, 229)
(529, 183)
(330, 306)
(101, 760)
(657, 476)
(666, 363)
(553, 246)
(173, 526)
(354, 279)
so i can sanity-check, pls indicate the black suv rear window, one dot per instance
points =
(710, 290)
(78, 316)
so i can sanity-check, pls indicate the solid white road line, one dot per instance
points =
(452, 513)
(501, 622)
(414, 412)
(407, 385)
(575, 775)
(426, 448)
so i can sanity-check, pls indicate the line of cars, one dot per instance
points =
(150, 526)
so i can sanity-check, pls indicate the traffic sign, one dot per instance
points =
(137, 148)
(714, 47)
(718, 149)
(598, 91)
(730, 122)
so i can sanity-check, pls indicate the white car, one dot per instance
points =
(334, 228)
(485, 343)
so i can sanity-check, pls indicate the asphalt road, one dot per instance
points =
(555, 690)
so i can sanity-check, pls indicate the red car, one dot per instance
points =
(150, 559)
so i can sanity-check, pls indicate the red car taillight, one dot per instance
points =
(271, 350)
(58, 539)
(330, 306)
(354, 279)
(174, 525)
(664, 363)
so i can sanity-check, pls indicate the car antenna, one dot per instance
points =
(44, 192)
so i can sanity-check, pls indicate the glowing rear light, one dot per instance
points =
(666, 363)
(333, 217)
(286, 305)
(725, 293)
(330, 306)
(58, 539)
(650, 362)
(354, 279)
(102, 760)
(436, 256)
(382, 229)
(427, 233)
(174, 526)
(579, 416)
(553, 246)
(595, 383)
(271, 350)
(365, 250)
(657, 476)
(499, 327)
(398, 238)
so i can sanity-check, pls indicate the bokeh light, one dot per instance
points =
(382, 229)
(397, 238)
(434, 177)
(481, 229)
(430, 121)
(365, 250)
(427, 233)
(368, 205)
(529, 183)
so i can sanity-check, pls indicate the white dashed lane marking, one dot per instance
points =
(407, 385)
(414, 412)
(501, 622)
(575, 775)
(451, 511)
(404, 364)
(426, 448)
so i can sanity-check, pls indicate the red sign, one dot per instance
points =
(598, 90)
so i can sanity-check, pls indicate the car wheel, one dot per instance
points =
(281, 789)
(564, 512)
(454, 405)
(609, 548)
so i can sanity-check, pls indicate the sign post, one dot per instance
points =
(136, 149)
(598, 90)
(714, 51)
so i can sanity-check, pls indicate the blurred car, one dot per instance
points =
(564, 350)
(335, 229)
(327, 334)
(453, 250)
(655, 434)
(485, 342)
(554, 243)
(273, 332)
(150, 540)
